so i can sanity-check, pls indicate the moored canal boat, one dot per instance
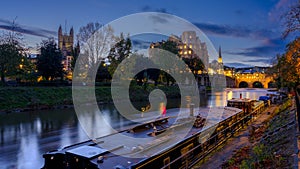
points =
(205, 135)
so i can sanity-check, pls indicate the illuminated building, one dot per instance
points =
(190, 46)
(65, 44)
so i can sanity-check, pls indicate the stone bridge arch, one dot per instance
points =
(257, 84)
(254, 78)
(243, 84)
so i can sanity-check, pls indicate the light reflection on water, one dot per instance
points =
(24, 137)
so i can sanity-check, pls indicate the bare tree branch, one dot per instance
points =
(292, 20)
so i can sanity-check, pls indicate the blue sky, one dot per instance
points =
(249, 31)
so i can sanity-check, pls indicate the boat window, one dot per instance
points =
(166, 162)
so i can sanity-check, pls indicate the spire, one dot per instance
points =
(65, 27)
(220, 60)
(78, 47)
(59, 30)
(71, 32)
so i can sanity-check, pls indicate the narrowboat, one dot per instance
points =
(211, 127)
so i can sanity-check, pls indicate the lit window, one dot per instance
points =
(184, 46)
(185, 52)
(190, 52)
(191, 46)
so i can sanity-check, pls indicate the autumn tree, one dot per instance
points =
(287, 68)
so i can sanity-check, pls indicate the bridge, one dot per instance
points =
(254, 80)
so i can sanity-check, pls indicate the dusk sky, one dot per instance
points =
(249, 31)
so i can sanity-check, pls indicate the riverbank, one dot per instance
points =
(19, 99)
(269, 142)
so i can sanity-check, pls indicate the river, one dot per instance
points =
(25, 136)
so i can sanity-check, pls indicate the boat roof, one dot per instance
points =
(240, 100)
(125, 151)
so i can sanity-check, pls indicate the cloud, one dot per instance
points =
(7, 25)
(276, 42)
(148, 8)
(5, 21)
(269, 48)
(279, 9)
(253, 51)
(140, 44)
(237, 65)
(262, 60)
(234, 31)
(156, 18)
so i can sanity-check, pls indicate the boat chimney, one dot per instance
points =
(192, 109)
(241, 96)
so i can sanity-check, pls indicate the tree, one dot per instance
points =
(292, 20)
(120, 51)
(11, 52)
(169, 46)
(195, 64)
(10, 58)
(288, 66)
(27, 70)
(75, 54)
(103, 74)
(49, 63)
(96, 41)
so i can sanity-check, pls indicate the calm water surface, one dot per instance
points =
(24, 137)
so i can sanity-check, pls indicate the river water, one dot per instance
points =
(25, 136)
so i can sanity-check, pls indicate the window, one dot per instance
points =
(166, 162)
(186, 155)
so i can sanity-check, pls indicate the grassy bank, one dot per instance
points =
(31, 98)
(272, 143)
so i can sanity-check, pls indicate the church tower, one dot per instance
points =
(65, 41)
(220, 60)
(220, 69)
(66, 44)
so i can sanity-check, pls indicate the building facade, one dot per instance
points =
(190, 46)
(65, 44)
